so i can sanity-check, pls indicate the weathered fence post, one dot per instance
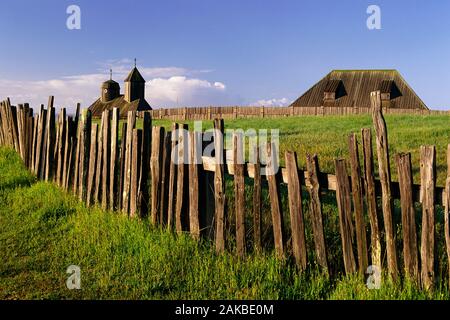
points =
(172, 179)
(131, 123)
(385, 179)
(275, 201)
(123, 141)
(165, 177)
(257, 200)
(92, 164)
(84, 153)
(315, 208)
(114, 166)
(296, 212)
(447, 211)
(106, 146)
(195, 151)
(155, 167)
(428, 184)
(134, 165)
(357, 193)
(143, 193)
(371, 198)
(410, 253)
(239, 191)
(219, 184)
(344, 208)
(182, 201)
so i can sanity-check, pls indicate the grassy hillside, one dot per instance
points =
(44, 230)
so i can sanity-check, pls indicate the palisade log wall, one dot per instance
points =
(234, 112)
(137, 176)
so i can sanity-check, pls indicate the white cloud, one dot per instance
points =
(271, 103)
(166, 87)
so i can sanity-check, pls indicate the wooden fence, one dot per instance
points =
(234, 112)
(135, 174)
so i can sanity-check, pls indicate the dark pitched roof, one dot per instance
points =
(137, 105)
(135, 76)
(358, 84)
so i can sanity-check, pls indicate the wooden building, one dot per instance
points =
(351, 88)
(132, 100)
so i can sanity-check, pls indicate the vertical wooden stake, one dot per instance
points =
(272, 175)
(106, 146)
(92, 165)
(410, 253)
(428, 183)
(239, 191)
(344, 207)
(447, 211)
(123, 142)
(385, 179)
(315, 208)
(155, 168)
(135, 171)
(296, 212)
(84, 153)
(357, 193)
(143, 193)
(114, 167)
(257, 201)
(131, 123)
(182, 188)
(371, 198)
(219, 185)
(172, 179)
(195, 140)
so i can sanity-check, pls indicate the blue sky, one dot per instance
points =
(217, 52)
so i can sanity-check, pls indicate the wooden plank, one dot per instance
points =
(315, 209)
(195, 150)
(275, 199)
(385, 179)
(61, 146)
(239, 192)
(34, 143)
(51, 133)
(143, 193)
(219, 185)
(114, 167)
(106, 146)
(358, 204)
(257, 221)
(99, 164)
(182, 205)
(131, 123)
(410, 252)
(428, 182)
(447, 212)
(85, 145)
(171, 202)
(158, 134)
(135, 171)
(165, 174)
(66, 168)
(344, 207)
(371, 197)
(76, 157)
(296, 212)
(40, 142)
(122, 164)
(92, 165)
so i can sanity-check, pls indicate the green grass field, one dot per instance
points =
(44, 230)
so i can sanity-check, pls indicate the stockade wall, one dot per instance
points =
(134, 174)
(234, 112)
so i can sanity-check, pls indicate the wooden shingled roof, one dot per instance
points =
(137, 105)
(357, 85)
